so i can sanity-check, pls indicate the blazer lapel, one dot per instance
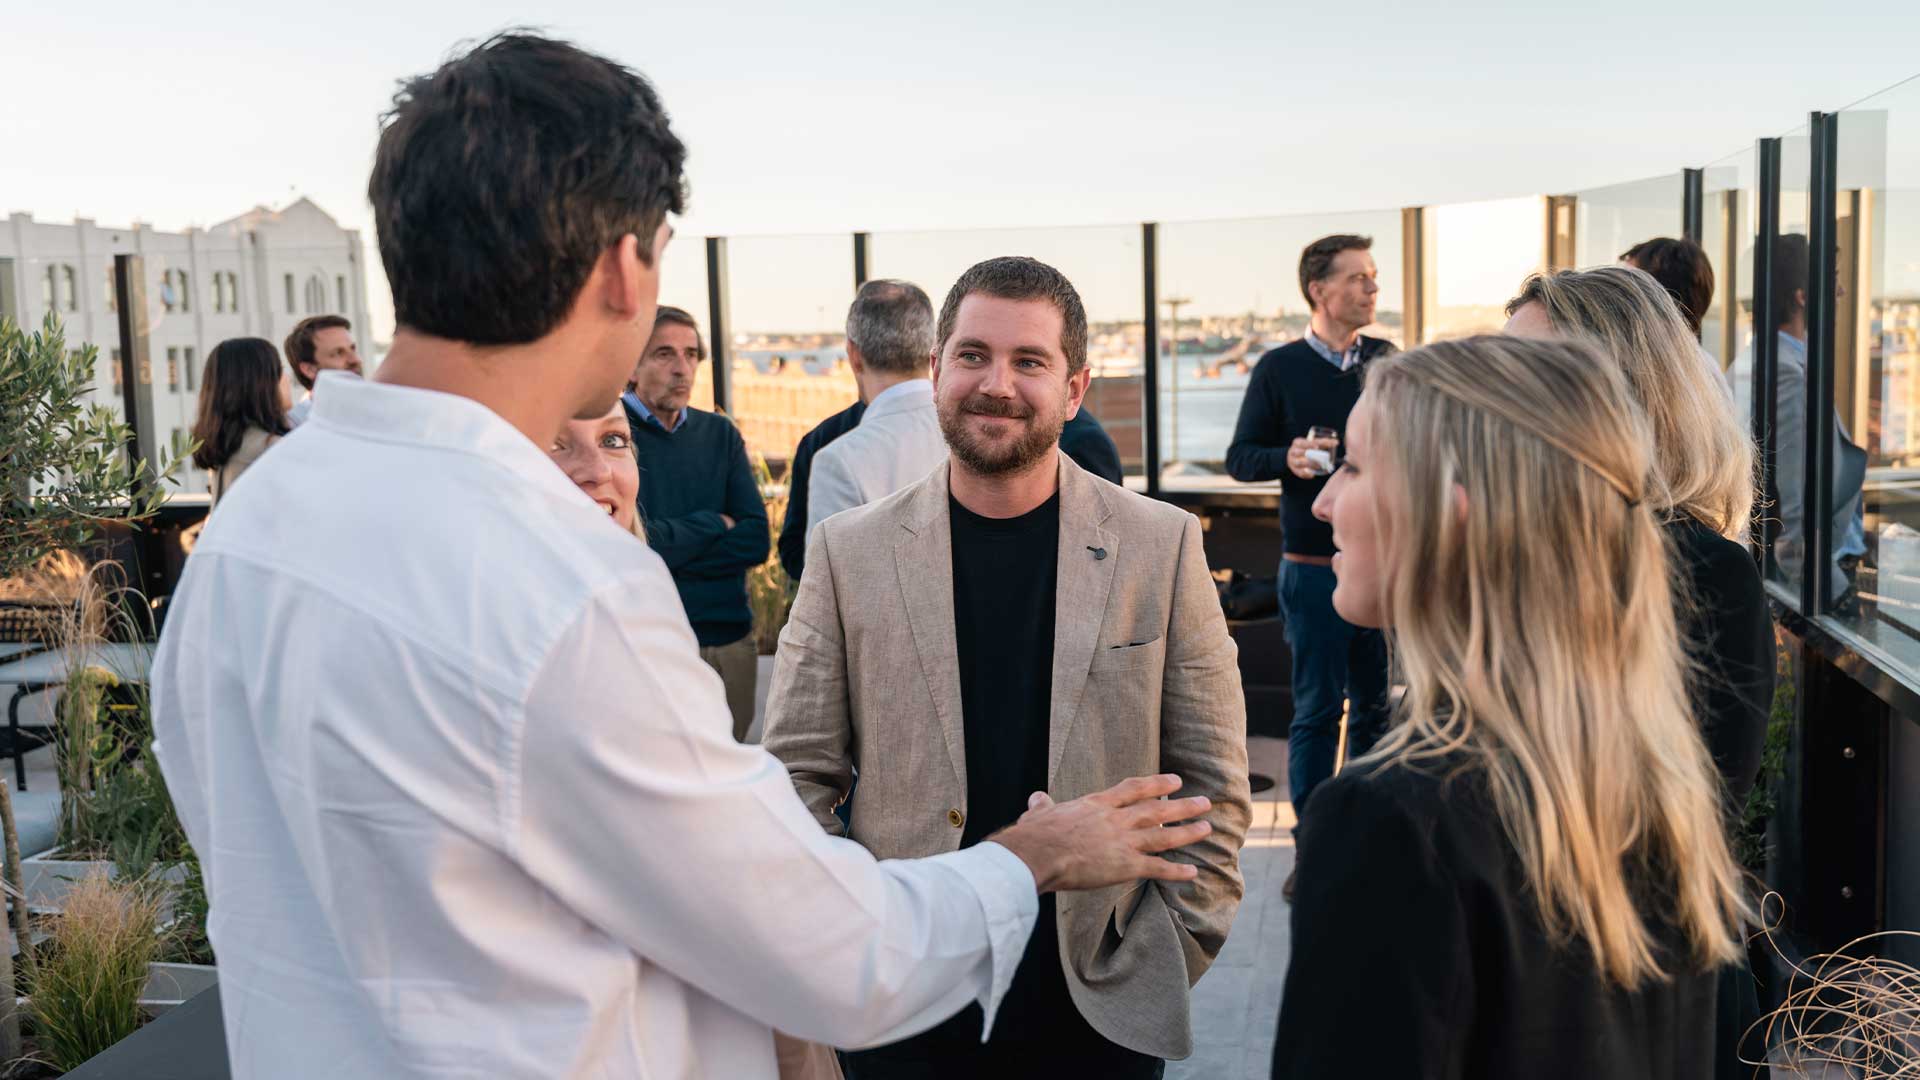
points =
(1088, 556)
(923, 561)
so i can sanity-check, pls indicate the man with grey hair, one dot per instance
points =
(889, 344)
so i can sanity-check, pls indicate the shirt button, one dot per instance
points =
(956, 819)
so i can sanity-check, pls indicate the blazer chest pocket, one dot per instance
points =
(1129, 656)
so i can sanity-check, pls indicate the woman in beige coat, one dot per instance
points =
(243, 409)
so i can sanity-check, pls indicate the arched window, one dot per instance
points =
(316, 295)
(169, 294)
(113, 291)
(186, 291)
(70, 288)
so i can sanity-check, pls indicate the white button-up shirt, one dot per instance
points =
(467, 799)
(897, 443)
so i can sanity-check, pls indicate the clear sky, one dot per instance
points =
(824, 118)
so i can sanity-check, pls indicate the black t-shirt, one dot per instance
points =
(1004, 574)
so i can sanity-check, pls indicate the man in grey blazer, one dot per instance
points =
(1008, 630)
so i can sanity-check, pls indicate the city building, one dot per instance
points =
(255, 275)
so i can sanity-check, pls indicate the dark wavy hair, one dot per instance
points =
(503, 177)
(240, 390)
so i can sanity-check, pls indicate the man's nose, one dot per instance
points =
(998, 381)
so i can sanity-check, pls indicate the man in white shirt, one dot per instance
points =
(319, 343)
(473, 809)
(889, 345)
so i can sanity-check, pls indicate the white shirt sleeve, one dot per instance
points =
(831, 489)
(634, 806)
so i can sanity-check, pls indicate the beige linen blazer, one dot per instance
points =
(1144, 679)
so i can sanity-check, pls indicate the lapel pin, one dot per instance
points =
(1098, 553)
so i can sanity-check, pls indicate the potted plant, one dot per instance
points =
(85, 982)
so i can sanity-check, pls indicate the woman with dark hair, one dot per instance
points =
(243, 409)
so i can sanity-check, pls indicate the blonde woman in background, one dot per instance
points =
(1702, 492)
(1545, 889)
(597, 455)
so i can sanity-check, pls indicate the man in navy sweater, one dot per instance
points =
(1305, 384)
(700, 505)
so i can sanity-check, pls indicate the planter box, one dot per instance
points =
(169, 985)
(48, 877)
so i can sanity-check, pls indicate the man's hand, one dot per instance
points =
(1108, 838)
(728, 521)
(1297, 462)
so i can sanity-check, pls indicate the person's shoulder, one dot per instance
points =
(1282, 355)
(1371, 347)
(1436, 805)
(878, 521)
(832, 428)
(1721, 571)
(1130, 512)
(712, 425)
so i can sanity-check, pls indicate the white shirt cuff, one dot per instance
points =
(1011, 901)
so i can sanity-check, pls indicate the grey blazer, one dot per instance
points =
(867, 675)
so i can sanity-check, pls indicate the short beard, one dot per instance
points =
(982, 460)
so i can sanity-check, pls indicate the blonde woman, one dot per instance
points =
(597, 455)
(1702, 492)
(1545, 889)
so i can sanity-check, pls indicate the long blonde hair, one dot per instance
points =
(1703, 453)
(1537, 636)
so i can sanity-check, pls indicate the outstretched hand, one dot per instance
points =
(1108, 838)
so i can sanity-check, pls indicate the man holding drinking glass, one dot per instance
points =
(1290, 427)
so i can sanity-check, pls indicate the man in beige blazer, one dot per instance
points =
(1012, 625)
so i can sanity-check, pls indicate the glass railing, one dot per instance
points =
(683, 284)
(787, 338)
(1728, 190)
(1877, 364)
(1230, 291)
(1609, 220)
(1481, 252)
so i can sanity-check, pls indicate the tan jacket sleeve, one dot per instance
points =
(1203, 739)
(809, 724)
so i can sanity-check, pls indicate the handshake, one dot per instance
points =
(1108, 838)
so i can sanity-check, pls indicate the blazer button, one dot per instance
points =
(956, 819)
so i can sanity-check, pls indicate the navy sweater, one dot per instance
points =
(1294, 388)
(687, 480)
(793, 528)
(1090, 447)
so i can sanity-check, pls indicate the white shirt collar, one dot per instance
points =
(409, 415)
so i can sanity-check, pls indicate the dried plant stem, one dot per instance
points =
(17, 896)
(15, 869)
(1846, 1010)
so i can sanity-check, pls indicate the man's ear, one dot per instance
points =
(622, 277)
(1077, 386)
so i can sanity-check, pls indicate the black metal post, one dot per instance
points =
(1822, 270)
(862, 250)
(1693, 199)
(719, 319)
(136, 401)
(1765, 346)
(1150, 357)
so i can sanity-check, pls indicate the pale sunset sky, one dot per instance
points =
(909, 118)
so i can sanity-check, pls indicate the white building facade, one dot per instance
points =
(254, 276)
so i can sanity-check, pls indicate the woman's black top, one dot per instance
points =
(1729, 633)
(1418, 952)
